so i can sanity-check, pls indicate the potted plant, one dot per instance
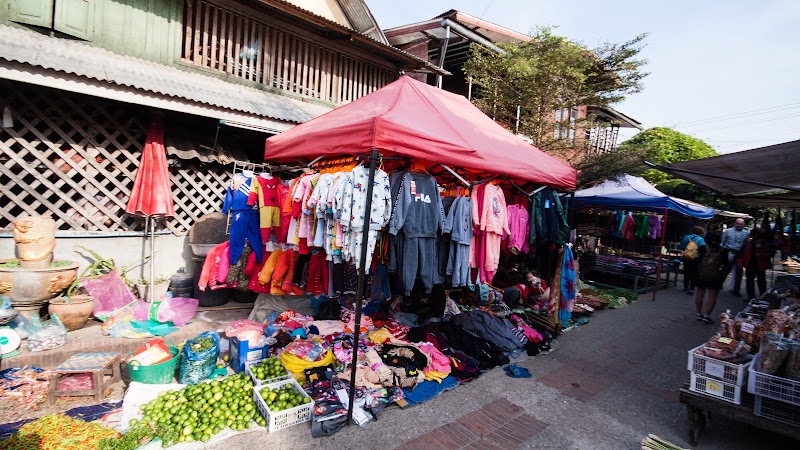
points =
(75, 306)
(160, 288)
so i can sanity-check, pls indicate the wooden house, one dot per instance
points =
(80, 81)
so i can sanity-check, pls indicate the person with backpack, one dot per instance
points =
(712, 269)
(692, 246)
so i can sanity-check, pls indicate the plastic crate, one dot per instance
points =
(278, 420)
(771, 386)
(716, 388)
(259, 383)
(714, 368)
(777, 410)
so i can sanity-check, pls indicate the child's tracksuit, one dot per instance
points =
(245, 226)
(420, 215)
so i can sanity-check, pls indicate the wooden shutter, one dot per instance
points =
(75, 18)
(32, 12)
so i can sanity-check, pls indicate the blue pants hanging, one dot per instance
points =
(245, 226)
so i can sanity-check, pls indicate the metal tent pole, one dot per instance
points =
(660, 246)
(373, 158)
(152, 257)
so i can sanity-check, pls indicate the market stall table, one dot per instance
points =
(639, 279)
(699, 406)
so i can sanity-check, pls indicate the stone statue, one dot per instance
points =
(35, 237)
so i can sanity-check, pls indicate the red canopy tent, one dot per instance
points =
(413, 119)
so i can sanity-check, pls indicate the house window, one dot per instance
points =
(566, 123)
(72, 17)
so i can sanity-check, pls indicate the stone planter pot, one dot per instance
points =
(29, 288)
(159, 289)
(73, 314)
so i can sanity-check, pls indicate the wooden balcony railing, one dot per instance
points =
(227, 39)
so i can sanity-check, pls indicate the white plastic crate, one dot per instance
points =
(278, 420)
(721, 370)
(716, 388)
(259, 383)
(777, 410)
(771, 386)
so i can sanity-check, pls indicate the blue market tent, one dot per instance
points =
(635, 193)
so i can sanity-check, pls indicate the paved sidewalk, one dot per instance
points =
(608, 385)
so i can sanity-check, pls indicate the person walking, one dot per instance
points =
(692, 245)
(756, 259)
(712, 269)
(734, 239)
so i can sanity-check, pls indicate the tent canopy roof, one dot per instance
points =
(412, 119)
(758, 176)
(629, 192)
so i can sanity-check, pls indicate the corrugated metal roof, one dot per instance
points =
(362, 19)
(75, 57)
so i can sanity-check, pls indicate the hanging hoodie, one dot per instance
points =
(420, 215)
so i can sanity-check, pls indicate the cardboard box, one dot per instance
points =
(242, 353)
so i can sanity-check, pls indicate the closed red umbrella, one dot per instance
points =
(151, 195)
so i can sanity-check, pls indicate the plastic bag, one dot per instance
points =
(774, 350)
(244, 330)
(198, 363)
(154, 351)
(76, 382)
(727, 325)
(178, 310)
(109, 292)
(792, 367)
(48, 335)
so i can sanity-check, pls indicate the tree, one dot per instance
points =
(662, 145)
(548, 74)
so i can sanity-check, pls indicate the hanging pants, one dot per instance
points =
(245, 226)
(492, 255)
(419, 257)
(458, 264)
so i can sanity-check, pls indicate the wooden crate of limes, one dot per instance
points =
(267, 371)
(283, 404)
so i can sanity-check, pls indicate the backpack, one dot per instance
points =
(711, 267)
(691, 250)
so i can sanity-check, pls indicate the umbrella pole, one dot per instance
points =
(152, 255)
(660, 246)
(373, 157)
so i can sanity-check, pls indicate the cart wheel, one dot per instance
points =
(697, 423)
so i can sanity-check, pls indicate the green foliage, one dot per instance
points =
(551, 73)
(666, 146)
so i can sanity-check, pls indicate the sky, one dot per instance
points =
(727, 72)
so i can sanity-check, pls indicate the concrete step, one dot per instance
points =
(90, 339)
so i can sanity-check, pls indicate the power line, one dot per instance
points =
(485, 10)
(740, 124)
(745, 113)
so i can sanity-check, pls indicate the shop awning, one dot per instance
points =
(412, 119)
(762, 176)
(635, 193)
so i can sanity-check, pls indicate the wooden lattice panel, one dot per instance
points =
(75, 157)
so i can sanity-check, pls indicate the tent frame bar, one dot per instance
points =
(455, 174)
